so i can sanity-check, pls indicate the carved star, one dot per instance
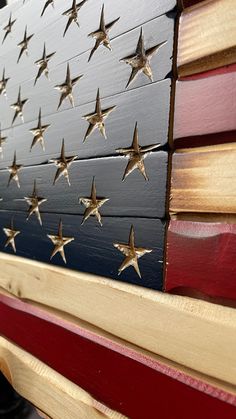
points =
(63, 164)
(66, 88)
(102, 34)
(132, 253)
(18, 107)
(3, 83)
(38, 133)
(13, 170)
(24, 44)
(96, 119)
(59, 241)
(93, 204)
(11, 235)
(72, 14)
(140, 61)
(43, 64)
(48, 2)
(8, 27)
(34, 203)
(2, 142)
(136, 155)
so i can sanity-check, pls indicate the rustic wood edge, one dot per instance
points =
(51, 392)
(194, 333)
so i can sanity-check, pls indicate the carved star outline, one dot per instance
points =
(63, 164)
(66, 88)
(24, 44)
(93, 204)
(59, 242)
(11, 234)
(42, 63)
(72, 14)
(3, 83)
(8, 27)
(47, 3)
(34, 203)
(13, 170)
(18, 107)
(38, 133)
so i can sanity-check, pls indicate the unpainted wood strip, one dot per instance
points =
(45, 388)
(179, 328)
(207, 37)
(203, 180)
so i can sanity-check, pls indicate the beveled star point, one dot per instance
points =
(13, 170)
(11, 234)
(3, 83)
(8, 27)
(18, 107)
(63, 164)
(38, 133)
(42, 63)
(34, 202)
(59, 242)
(66, 88)
(47, 3)
(73, 14)
(92, 205)
(24, 44)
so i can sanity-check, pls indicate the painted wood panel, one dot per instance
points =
(201, 256)
(108, 369)
(203, 180)
(205, 106)
(207, 37)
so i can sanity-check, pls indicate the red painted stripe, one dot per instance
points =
(202, 256)
(133, 384)
(204, 140)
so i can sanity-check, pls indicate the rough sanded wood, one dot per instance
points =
(203, 180)
(52, 393)
(207, 37)
(191, 332)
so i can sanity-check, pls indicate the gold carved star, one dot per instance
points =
(38, 133)
(59, 241)
(63, 164)
(34, 203)
(132, 253)
(93, 204)
(102, 34)
(13, 170)
(24, 44)
(48, 2)
(72, 14)
(3, 83)
(136, 155)
(8, 27)
(43, 64)
(11, 234)
(18, 107)
(2, 142)
(140, 61)
(96, 119)
(66, 88)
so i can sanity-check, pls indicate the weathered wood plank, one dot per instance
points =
(207, 36)
(203, 180)
(201, 257)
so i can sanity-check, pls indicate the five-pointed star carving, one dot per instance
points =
(102, 34)
(42, 63)
(131, 252)
(66, 88)
(2, 141)
(34, 202)
(59, 241)
(24, 44)
(3, 83)
(11, 234)
(72, 14)
(96, 119)
(8, 27)
(18, 107)
(48, 2)
(38, 133)
(93, 204)
(140, 61)
(13, 170)
(63, 164)
(136, 155)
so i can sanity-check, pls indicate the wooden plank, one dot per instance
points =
(52, 393)
(107, 172)
(205, 106)
(120, 366)
(203, 180)
(201, 257)
(134, 314)
(92, 243)
(207, 36)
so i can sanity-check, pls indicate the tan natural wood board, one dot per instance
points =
(207, 37)
(46, 389)
(194, 333)
(203, 180)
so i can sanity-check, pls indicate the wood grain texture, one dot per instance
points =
(205, 106)
(207, 37)
(203, 180)
(187, 329)
(201, 256)
(52, 393)
(120, 367)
